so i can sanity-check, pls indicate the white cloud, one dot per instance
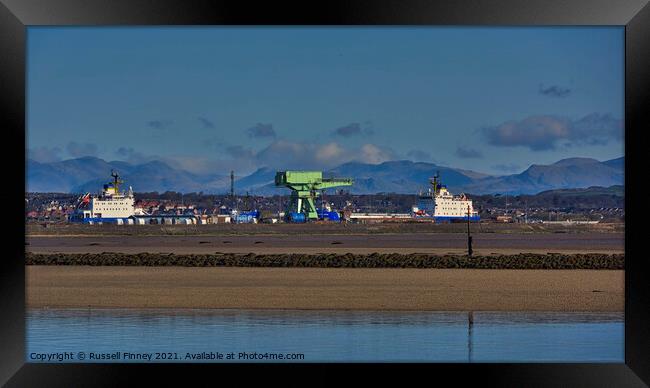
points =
(77, 150)
(370, 153)
(304, 155)
(44, 154)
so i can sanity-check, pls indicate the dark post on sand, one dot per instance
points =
(469, 238)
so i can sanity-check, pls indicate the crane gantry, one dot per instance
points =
(305, 187)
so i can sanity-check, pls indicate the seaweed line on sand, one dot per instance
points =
(336, 260)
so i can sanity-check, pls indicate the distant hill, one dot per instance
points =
(88, 174)
(616, 163)
(401, 176)
(564, 174)
(261, 182)
(65, 176)
(583, 198)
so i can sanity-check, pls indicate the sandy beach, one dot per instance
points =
(328, 288)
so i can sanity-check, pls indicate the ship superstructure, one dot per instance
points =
(110, 206)
(440, 205)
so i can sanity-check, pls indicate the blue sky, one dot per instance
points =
(493, 100)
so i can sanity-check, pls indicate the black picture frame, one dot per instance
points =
(17, 15)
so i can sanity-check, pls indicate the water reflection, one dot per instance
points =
(335, 335)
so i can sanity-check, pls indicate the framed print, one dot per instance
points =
(386, 188)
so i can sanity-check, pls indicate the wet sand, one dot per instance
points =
(434, 243)
(404, 228)
(331, 288)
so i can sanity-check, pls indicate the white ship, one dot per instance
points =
(111, 206)
(440, 205)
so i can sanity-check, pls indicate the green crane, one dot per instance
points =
(305, 186)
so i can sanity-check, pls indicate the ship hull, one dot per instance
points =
(448, 219)
(103, 220)
(456, 219)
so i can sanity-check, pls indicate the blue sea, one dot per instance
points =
(197, 335)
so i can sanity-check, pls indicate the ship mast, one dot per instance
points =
(116, 181)
(435, 182)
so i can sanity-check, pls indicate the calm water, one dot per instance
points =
(324, 335)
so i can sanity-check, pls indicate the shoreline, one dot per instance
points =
(379, 289)
(308, 309)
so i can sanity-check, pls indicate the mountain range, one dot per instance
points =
(88, 174)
